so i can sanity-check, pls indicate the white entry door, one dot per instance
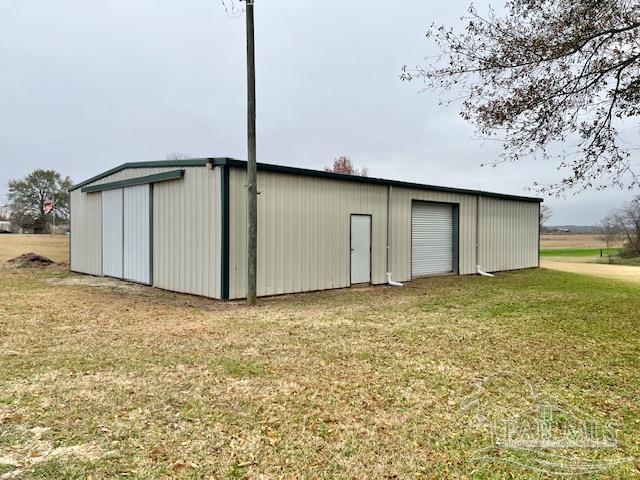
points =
(360, 249)
(112, 201)
(137, 234)
(431, 239)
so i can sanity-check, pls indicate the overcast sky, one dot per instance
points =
(86, 85)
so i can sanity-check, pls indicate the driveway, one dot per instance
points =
(617, 272)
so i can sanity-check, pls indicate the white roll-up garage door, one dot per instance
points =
(112, 233)
(431, 239)
(137, 231)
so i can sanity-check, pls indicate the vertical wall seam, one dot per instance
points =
(456, 238)
(388, 264)
(122, 233)
(151, 234)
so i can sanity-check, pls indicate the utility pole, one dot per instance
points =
(252, 169)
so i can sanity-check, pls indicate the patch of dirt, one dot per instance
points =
(37, 450)
(616, 272)
(100, 282)
(138, 291)
(29, 260)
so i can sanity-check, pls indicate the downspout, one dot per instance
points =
(389, 280)
(69, 192)
(479, 271)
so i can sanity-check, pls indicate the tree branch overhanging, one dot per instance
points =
(546, 72)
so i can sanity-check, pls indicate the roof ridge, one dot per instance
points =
(233, 162)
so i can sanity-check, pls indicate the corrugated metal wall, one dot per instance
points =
(508, 234)
(86, 233)
(186, 230)
(508, 231)
(303, 225)
(304, 221)
(86, 221)
(186, 233)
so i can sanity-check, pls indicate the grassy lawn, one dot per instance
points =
(111, 380)
(579, 252)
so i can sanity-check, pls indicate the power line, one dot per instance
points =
(20, 162)
(232, 9)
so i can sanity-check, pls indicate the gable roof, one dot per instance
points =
(195, 162)
(267, 167)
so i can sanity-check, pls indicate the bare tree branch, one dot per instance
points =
(546, 73)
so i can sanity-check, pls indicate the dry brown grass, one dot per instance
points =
(363, 383)
(575, 241)
(587, 267)
(55, 247)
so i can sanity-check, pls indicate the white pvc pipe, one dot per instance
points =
(484, 274)
(392, 282)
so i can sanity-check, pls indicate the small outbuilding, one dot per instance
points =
(181, 226)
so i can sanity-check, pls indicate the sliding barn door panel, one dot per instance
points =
(112, 233)
(137, 234)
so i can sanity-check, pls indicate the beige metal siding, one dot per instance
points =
(86, 232)
(186, 233)
(303, 232)
(508, 234)
(508, 231)
(303, 237)
(400, 208)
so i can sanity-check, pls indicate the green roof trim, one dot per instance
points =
(379, 181)
(195, 162)
(158, 177)
(232, 162)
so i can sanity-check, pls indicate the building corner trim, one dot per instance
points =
(224, 230)
(539, 232)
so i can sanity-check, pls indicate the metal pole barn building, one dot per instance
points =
(181, 226)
